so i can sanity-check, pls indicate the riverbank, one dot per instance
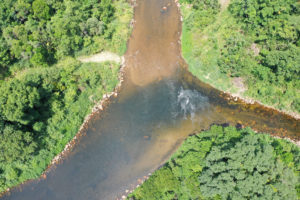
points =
(202, 49)
(112, 78)
(96, 110)
(80, 91)
(139, 189)
(99, 106)
(196, 170)
(235, 91)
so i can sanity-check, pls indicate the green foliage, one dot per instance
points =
(42, 109)
(203, 13)
(41, 10)
(4, 55)
(246, 170)
(163, 183)
(106, 10)
(271, 25)
(226, 163)
(44, 94)
(15, 145)
(257, 40)
(267, 19)
(19, 102)
(39, 33)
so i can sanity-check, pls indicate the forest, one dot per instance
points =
(256, 41)
(45, 92)
(39, 33)
(227, 163)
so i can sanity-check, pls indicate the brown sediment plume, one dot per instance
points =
(249, 113)
(149, 61)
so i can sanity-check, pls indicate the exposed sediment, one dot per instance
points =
(102, 57)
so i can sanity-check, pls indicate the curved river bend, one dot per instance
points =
(159, 105)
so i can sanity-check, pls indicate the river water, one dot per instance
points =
(158, 106)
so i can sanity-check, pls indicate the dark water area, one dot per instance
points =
(158, 106)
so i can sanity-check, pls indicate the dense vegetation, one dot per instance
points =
(39, 33)
(45, 94)
(42, 109)
(226, 163)
(256, 40)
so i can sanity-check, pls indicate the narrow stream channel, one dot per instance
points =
(159, 105)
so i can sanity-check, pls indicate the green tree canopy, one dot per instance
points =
(41, 10)
(227, 163)
(18, 102)
(15, 145)
(246, 168)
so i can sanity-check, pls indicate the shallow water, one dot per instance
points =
(159, 105)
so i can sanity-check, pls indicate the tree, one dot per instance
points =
(107, 11)
(5, 57)
(17, 145)
(23, 10)
(18, 102)
(41, 10)
(246, 169)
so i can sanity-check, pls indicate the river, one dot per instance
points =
(159, 104)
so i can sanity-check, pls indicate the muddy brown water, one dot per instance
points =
(158, 106)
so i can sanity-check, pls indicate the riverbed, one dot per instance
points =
(159, 104)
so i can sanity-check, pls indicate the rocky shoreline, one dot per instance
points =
(249, 100)
(97, 108)
(238, 97)
(234, 96)
(141, 180)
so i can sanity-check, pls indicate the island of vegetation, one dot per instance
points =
(227, 163)
(248, 48)
(45, 92)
